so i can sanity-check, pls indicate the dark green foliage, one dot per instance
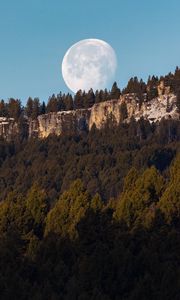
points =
(101, 158)
(78, 100)
(139, 197)
(52, 105)
(173, 80)
(59, 103)
(87, 249)
(3, 109)
(170, 201)
(123, 111)
(69, 102)
(29, 107)
(152, 84)
(43, 108)
(36, 108)
(68, 211)
(14, 108)
(89, 99)
(135, 86)
(37, 204)
(33, 108)
(115, 92)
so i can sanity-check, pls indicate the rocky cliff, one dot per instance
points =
(64, 122)
(76, 121)
(8, 128)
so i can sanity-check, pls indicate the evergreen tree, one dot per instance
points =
(115, 91)
(43, 108)
(52, 105)
(139, 196)
(36, 108)
(3, 109)
(61, 101)
(69, 102)
(89, 99)
(14, 216)
(123, 111)
(29, 107)
(97, 97)
(78, 100)
(68, 211)
(132, 127)
(106, 95)
(143, 128)
(152, 91)
(14, 108)
(37, 205)
(169, 203)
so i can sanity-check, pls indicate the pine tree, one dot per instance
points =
(14, 108)
(36, 203)
(29, 107)
(97, 97)
(3, 109)
(78, 100)
(115, 91)
(106, 95)
(61, 101)
(52, 105)
(43, 108)
(69, 102)
(123, 111)
(68, 211)
(36, 108)
(169, 203)
(89, 99)
(152, 91)
(139, 195)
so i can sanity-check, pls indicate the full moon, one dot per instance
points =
(90, 63)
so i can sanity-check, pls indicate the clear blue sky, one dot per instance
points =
(35, 34)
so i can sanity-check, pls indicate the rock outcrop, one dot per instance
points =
(102, 112)
(8, 128)
(163, 106)
(77, 121)
(64, 122)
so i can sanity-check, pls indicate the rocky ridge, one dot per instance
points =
(76, 121)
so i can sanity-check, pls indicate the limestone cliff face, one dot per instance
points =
(8, 128)
(162, 89)
(164, 106)
(103, 111)
(60, 123)
(69, 122)
(77, 121)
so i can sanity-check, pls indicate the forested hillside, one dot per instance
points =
(94, 215)
(100, 158)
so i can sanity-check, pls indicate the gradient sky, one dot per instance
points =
(35, 34)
